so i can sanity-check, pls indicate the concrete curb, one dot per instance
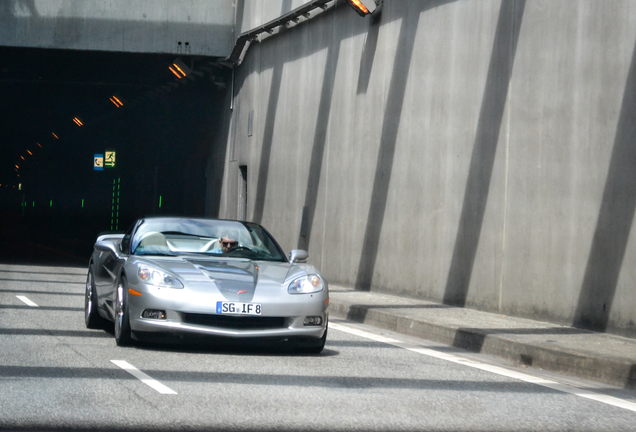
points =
(615, 371)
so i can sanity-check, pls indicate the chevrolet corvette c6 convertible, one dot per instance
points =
(185, 277)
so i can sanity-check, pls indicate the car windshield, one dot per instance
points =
(216, 238)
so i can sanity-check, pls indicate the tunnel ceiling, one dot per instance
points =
(44, 90)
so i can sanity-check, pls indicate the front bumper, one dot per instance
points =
(194, 313)
(294, 328)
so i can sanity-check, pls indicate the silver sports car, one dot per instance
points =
(181, 276)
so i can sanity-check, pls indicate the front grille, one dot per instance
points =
(234, 322)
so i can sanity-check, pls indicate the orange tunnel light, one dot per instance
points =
(177, 74)
(363, 7)
(116, 101)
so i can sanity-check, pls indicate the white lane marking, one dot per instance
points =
(27, 301)
(143, 377)
(566, 388)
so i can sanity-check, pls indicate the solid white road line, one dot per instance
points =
(27, 301)
(566, 388)
(143, 377)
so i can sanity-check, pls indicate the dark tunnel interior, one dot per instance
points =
(59, 111)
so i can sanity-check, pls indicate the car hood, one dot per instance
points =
(235, 279)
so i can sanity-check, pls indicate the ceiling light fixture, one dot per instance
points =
(179, 69)
(363, 7)
(116, 101)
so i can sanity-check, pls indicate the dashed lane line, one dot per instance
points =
(27, 301)
(566, 388)
(143, 377)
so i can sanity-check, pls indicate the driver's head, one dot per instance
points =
(228, 243)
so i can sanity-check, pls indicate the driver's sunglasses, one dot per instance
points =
(228, 243)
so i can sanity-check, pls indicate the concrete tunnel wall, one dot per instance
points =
(477, 153)
(188, 27)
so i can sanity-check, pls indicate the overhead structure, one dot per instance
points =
(288, 20)
(291, 19)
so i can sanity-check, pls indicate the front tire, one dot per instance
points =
(91, 315)
(314, 346)
(122, 319)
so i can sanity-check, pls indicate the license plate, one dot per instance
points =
(238, 308)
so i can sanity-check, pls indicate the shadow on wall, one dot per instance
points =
(411, 13)
(388, 139)
(268, 138)
(484, 150)
(266, 147)
(324, 111)
(368, 53)
(614, 221)
(318, 147)
(215, 170)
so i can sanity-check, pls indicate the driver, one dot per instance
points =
(228, 240)
(228, 243)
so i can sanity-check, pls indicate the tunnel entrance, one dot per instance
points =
(63, 108)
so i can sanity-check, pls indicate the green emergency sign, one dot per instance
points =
(109, 159)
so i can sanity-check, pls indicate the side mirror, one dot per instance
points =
(106, 246)
(298, 255)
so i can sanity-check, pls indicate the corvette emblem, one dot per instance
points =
(233, 291)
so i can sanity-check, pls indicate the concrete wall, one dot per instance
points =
(188, 27)
(477, 152)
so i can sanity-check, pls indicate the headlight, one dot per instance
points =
(158, 278)
(305, 285)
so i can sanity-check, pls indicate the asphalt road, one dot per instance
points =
(57, 375)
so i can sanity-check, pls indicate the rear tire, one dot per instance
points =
(122, 319)
(91, 315)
